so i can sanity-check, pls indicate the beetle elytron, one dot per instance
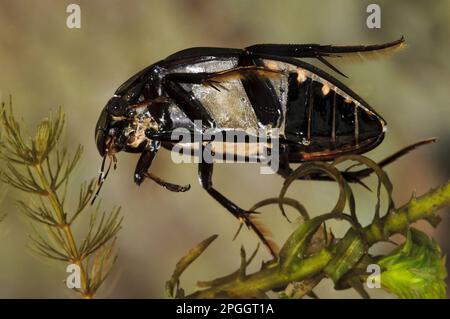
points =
(262, 86)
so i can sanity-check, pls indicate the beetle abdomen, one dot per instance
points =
(323, 118)
(317, 115)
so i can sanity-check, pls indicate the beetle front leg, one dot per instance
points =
(205, 172)
(145, 161)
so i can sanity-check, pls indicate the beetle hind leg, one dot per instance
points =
(245, 217)
(353, 177)
(319, 51)
(316, 50)
(356, 176)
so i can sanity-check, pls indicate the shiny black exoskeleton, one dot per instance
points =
(260, 87)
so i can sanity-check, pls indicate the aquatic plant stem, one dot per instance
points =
(272, 277)
(61, 217)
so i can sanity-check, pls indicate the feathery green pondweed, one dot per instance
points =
(415, 269)
(37, 165)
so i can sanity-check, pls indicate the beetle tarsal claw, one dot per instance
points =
(244, 220)
(169, 186)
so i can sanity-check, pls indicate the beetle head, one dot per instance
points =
(109, 131)
(110, 136)
(122, 126)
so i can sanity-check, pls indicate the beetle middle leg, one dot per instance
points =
(255, 80)
(205, 171)
(214, 79)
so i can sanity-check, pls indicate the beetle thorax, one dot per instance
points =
(141, 122)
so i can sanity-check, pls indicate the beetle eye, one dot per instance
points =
(130, 113)
(116, 106)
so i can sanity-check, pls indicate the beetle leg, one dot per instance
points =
(196, 78)
(316, 50)
(188, 103)
(216, 78)
(145, 161)
(205, 171)
(255, 80)
(169, 186)
(355, 177)
(284, 168)
(320, 51)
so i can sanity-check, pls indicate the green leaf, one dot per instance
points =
(382, 179)
(183, 263)
(416, 269)
(349, 251)
(321, 168)
(295, 246)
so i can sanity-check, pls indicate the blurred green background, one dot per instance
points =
(43, 64)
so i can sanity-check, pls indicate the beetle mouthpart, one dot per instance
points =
(103, 174)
